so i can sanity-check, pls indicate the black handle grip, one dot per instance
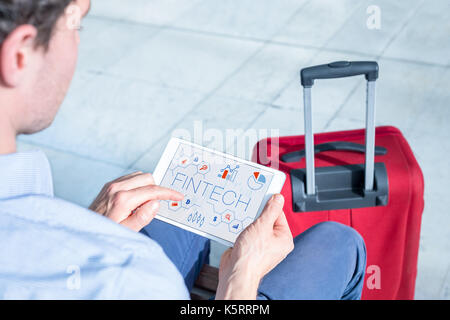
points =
(338, 145)
(339, 69)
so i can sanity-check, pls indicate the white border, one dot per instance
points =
(275, 185)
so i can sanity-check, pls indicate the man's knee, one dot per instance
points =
(347, 246)
(337, 230)
(339, 235)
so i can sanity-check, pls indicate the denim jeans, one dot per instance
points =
(328, 261)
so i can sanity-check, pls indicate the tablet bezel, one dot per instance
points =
(275, 185)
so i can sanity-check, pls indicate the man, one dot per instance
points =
(53, 249)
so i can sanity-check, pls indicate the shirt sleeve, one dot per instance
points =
(148, 279)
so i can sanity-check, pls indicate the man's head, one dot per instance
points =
(38, 52)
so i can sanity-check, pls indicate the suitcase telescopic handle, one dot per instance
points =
(340, 69)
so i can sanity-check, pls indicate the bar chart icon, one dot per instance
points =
(228, 173)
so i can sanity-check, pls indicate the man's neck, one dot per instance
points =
(7, 138)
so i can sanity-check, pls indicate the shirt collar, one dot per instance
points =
(25, 173)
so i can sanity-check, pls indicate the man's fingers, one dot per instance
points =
(153, 192)
(273, 209)
(124, 202)
(132, 181)
(129, 175)
(142, 216)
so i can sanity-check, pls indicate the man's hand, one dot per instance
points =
(132, 200)
(258, 249)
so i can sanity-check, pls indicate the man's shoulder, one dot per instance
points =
(52, 237)
(49, 214)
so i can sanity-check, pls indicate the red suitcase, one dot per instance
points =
(376, 190)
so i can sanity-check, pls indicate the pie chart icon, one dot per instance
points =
(256, 181)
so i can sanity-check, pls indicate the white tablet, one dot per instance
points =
(223, 194)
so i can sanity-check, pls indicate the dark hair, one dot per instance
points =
(42, 14)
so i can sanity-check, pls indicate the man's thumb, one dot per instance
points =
(273, 208)
(142, 216)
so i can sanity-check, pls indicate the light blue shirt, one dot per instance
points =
(52, 249)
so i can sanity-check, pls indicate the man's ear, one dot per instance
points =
(16, 54)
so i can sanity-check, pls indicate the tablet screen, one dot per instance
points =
(222, 195)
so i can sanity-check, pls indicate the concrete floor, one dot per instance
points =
(149, 68)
